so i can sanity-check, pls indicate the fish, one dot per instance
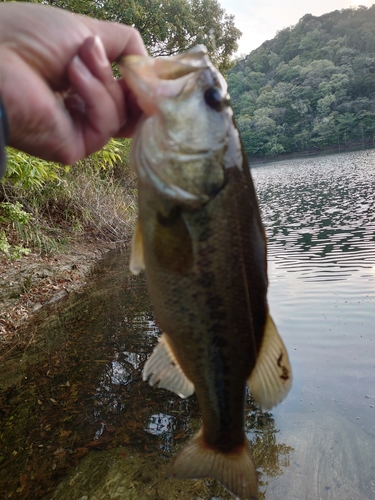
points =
(200, 239)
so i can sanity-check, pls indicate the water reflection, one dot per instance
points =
(317, 212)
(83, 393)
(319, 215)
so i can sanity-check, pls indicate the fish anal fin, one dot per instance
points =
(271, 378)
(137, 262)
(163, 370)
(235, 470)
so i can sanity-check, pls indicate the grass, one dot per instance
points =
(96, 196)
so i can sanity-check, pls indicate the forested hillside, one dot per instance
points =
(311, 87)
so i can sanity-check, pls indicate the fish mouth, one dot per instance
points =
(168, 68)
(151, 78)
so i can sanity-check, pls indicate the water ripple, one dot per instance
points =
(319, 214)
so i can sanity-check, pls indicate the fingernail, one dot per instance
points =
(81, 68)
(99, 51)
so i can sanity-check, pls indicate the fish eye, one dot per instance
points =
(214, 98)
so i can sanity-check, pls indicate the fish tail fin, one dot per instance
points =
(234, 470)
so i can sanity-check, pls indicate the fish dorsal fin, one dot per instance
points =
(235, 471)
(163, 370)
(271, 378)
(137, 262)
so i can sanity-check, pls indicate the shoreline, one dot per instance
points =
(300, 155)
(33, 281)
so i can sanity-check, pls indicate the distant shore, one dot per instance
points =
(353, 146)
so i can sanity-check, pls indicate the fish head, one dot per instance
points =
(181, 145)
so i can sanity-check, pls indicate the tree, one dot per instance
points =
(323, 106)
(168, 26)
(311, 87)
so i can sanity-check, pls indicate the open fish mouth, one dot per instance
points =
(171, 68)
(162, 77)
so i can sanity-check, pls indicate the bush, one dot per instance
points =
(28, 171)
(12, 216)
(97, 194)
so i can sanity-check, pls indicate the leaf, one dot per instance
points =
(23, 480)
(179, 434)
(64, 434)
(80, 452)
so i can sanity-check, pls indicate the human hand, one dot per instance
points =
(56, 81)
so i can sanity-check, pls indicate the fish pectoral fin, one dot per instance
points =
(163, 370)
(235, 471)
(271, 378)
(137, 262)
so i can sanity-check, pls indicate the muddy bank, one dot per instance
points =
(32, 281)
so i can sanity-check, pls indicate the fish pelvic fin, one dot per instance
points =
(137, 261)
(271, 378)
(234, 470)
(163, 370)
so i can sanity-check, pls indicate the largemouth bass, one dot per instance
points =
(201, 241)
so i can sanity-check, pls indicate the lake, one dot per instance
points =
(319, 216)
(78, 422)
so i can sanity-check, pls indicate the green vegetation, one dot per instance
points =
(44, 204)
(310, 88)
(168, 26)
(12, 215)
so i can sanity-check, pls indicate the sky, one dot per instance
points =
(259, 20)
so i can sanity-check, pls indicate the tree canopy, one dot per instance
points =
(168, 26)
(311, 87)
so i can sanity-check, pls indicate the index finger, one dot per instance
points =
(118, 39)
